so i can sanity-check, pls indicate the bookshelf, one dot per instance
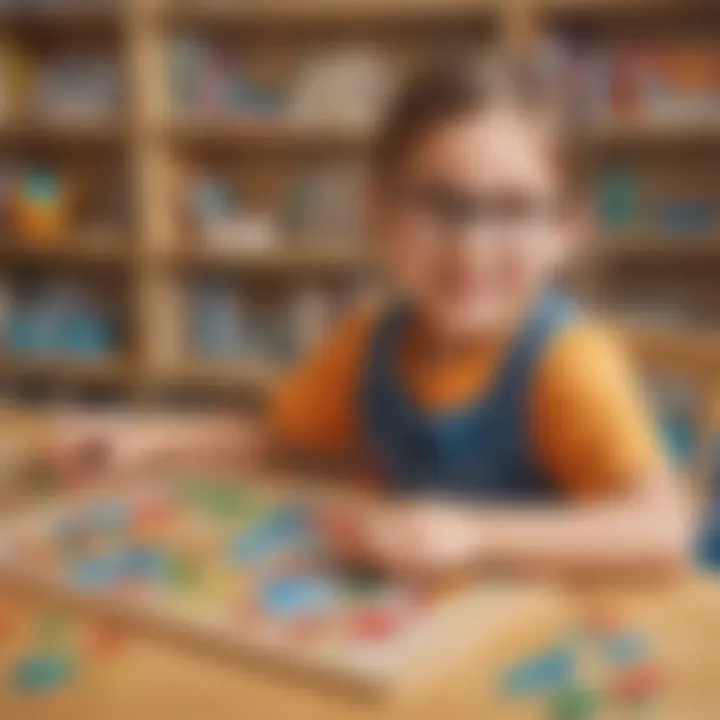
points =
(153, 262)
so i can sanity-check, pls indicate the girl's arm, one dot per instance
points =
(122, 444)
(644, 532)
(311, 408)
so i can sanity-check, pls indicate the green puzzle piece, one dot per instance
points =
(43, 673)
(575, 703)
(182, 575)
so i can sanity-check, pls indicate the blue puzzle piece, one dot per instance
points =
(248, 548)
(42, 674)
(293, 597)
(142, 563)
(96, 573)
(541, 674)
(287, 523)
(287, 527)
(110, 515)
(625, 650)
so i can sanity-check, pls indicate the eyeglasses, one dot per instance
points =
(447, 208)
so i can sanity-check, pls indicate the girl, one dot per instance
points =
(504, 418)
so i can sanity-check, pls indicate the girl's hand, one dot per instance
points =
(99, 445)
(426, 539)
(418, 539)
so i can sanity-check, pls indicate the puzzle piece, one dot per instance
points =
(94, 573)
(641, 683)
(293, 597)
(575, 703)
(541, 674)
(625, 650)
(143, 563)
(43, 673)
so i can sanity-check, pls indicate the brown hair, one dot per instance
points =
(447, 90)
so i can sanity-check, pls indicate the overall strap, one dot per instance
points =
(551, 314)
(381, 369)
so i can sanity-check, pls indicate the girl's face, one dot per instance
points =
(473, 226)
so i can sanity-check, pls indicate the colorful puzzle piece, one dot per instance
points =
(640, 683)
(43, 673)
(575, 703)
(293, 597)
(541, 674)
(603, 664)
(625, 649)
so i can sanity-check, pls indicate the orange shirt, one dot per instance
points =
(589, 426)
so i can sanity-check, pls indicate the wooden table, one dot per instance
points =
(149, 680)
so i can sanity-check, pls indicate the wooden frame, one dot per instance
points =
(441, 639)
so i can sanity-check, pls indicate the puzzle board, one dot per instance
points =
(237, 571)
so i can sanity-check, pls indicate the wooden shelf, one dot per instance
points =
(639, 247)
(226, 134)
(59, 134)
(58, 370)
(225, 376)
(647, 133)
(327, 14)
(694, 351)
(594, 8)
(88, 17)
(303, 260)
(78, 252)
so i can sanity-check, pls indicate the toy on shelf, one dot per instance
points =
(39, 209)
(347, 87)
(60, 318)
(212, 79)
(687, 217)
(228, 323)
(43, 205)
(219, 321)
(628, 202)
(657, 82)
(65, 86)
(618, 201)
(223, 221)
(77, 87)
(324, 206)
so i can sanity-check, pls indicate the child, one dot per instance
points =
(506, 421)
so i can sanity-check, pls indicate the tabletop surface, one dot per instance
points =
(149, 679)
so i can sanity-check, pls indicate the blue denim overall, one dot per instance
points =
(479, 451)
